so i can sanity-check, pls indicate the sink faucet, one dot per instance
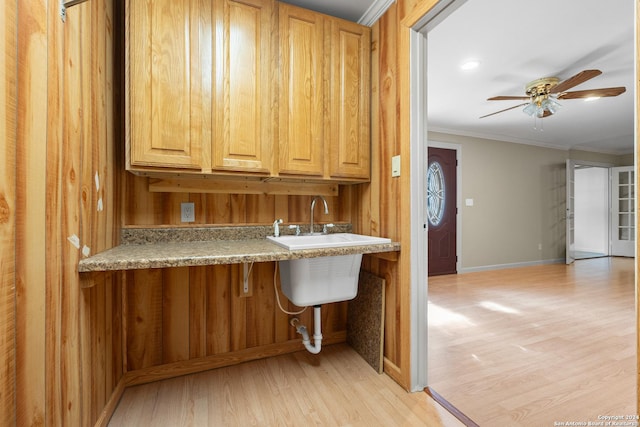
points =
(313, 205)
(276, 229)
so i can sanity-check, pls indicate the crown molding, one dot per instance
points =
(375, 11)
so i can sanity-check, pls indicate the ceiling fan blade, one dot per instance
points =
(609, 91)
(579, 78)
(508, 98)
(506, 109)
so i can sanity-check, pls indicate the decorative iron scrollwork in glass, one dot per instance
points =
(435, 194)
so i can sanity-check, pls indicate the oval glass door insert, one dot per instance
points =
(435, 194)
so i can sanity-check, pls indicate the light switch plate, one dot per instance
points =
(187, 212)
(468, 202)
(395, 166)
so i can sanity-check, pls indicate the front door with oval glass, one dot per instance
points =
(441, 211)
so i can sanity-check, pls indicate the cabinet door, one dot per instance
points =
(349, 103)
(245, 73)
(164, 83)
(301, 98)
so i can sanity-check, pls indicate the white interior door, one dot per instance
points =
(570, 217)
(623, 213)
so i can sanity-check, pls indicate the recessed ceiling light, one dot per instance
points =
(591, 98)
(470, 65)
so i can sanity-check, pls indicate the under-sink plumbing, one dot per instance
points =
(317, 331)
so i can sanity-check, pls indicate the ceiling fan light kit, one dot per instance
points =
(541, 100)
(543, 94)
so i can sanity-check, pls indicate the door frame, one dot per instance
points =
(458, 149)
(418, 247)
(570, 176)
(419, 281)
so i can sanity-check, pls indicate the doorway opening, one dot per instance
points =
(418, 156)
(600, 217)
(591, 211)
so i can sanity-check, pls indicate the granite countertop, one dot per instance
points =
(195, 246)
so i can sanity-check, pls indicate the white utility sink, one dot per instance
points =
(319, 241)
(324, 279)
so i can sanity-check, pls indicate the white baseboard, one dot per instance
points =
(512, 265)
(594, 250)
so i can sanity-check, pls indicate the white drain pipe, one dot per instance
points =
(317, 331)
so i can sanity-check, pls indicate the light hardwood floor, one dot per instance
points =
(534, 345)
(518, 347)
(335, 388)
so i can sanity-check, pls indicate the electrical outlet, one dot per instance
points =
(187, 212)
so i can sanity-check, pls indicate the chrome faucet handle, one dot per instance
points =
(276, 229)
(326, 227)
(297, 227)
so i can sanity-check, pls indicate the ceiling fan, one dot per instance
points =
(543, 94)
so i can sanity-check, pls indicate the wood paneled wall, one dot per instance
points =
(142, 207)
(68, 340)
(386, 202)
(381, 201)
(166, 324)
(182, 314)
(8, 103)
(187, 314)
(30, 215)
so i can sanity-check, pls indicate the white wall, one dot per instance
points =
(591, 210)
(519, 194)
(519, 203)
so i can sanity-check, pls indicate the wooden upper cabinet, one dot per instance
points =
(301, 98)
(324, 95)
(349, 99)
(246, 67)
(164, 83)
(246, 87)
